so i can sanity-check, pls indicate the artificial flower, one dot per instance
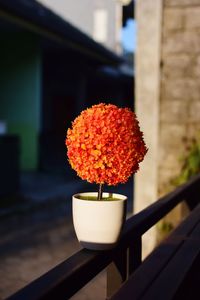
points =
(105, 144)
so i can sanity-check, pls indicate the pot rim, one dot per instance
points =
(105, 194)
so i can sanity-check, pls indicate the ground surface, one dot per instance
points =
(39, 234)
(30, 247)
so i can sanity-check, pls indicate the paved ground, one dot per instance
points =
(38, 235)
(34, 246)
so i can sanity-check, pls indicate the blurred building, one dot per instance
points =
(50, 71)
(100, 19)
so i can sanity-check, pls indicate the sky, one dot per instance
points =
(129, 36)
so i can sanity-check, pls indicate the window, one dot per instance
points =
(100, 29)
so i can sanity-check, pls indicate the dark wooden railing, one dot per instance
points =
(70, 276)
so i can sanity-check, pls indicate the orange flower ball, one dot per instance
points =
(105, 144)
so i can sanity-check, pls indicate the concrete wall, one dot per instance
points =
(180, 84)
(167, 93)
(20, 93)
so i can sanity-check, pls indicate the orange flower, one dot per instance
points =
(105, 144)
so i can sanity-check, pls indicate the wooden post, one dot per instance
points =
(117, 272)
(134, 256)
(125, 262)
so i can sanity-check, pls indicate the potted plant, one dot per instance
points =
(104, 146)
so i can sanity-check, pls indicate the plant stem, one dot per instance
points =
(100, 192)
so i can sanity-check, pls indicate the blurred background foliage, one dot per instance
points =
(190, 162)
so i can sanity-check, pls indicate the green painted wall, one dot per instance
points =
(20, 92)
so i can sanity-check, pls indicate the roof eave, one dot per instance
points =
(37, 18)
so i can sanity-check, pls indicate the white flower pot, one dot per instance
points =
(98, 223)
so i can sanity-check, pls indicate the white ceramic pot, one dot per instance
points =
(98, 223)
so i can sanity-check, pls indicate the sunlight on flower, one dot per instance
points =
(105, 144)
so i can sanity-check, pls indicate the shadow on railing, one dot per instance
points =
(70, 276)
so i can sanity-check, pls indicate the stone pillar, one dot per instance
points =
(147, 103)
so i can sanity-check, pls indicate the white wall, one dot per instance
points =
(81, 13)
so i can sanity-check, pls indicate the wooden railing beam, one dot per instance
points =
(70, 276)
